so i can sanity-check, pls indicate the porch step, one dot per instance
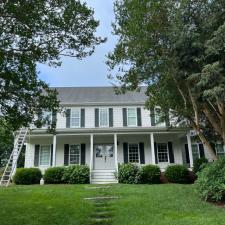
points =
(103, 177)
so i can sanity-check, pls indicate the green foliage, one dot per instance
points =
(27, 176)
(200, 164)
(150, 174)
(177, 174)
(181, 55)
(57, 28)
(54, 175)
(211, 181)
(129, 174)
(77, 174)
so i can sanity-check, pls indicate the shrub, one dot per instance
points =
(54, 175)
(27, 176)
(150, 174)
(199, 164)
(129, 174)
(77, 174)
(211, 181)
(177, 174)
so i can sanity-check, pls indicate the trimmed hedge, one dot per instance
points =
(129, 174)
(77, 174)
(200, 164)
(211, 181)
(54, 175)
(150, 174)
(177, 174)
(27, 176)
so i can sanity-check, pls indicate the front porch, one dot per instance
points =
(102, 152)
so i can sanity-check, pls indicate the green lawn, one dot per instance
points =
(137, 205)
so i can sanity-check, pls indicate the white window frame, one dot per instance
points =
(198, 150)
(78, 109)
(79, 154)
(168, 155)
(138, 153)
(135, 108)
(157, 116)
(220, 153)
(99, 114)
(46, 125)
(49, 155)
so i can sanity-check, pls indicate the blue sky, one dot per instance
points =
(91, 71)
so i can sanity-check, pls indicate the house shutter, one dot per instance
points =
(36, 155)
(152, 114)
(82, 160)
(111, 117)
(142, 153)
(82, 118)
(167, 118)
(54, 118)
(125, 152)
(139, 117)
(187, 153)
(156, 153)
(51, 154)
(171, 155)
(66, 154)
(96, 117)
(201, 150)
(124, 117)
(68, 112)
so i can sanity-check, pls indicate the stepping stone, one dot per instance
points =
(102, 198)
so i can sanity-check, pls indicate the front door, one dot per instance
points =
(104, 157)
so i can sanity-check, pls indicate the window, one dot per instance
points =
(47, 118)
(103, 117)
(157, 115)
(219, 150)
(195, 152)
(75, 118)
(162, 152)
(74, 154)
(133, 153)
(45, 155)
(132, 117)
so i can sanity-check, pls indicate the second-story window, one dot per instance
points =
(103, 117)
(158, 115)
(47, 118)
(132, 117)
(75, 118)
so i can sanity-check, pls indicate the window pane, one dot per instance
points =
(75, 118)
(131, 117)
(219, 150)
(103, 117)
(195, 152)
(133, 153)
(163, 152)
(157, 115)
(74, 154)
(131, 112)
(45, 155)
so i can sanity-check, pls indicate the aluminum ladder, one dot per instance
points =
(12, 162)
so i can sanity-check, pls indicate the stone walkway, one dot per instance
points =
(103, 213)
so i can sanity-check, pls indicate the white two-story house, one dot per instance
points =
(102, 129)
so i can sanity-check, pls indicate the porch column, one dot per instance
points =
(54, 151)
(91, 151)
(152, 147)
(190, 149)
(116, 150)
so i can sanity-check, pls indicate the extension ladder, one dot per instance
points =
(12, 162)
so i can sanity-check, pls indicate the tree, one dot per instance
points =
(38, 31)
(171, 47)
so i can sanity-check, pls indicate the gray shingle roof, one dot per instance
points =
(98, 95)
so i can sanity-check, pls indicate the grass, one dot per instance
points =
(138, 205)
